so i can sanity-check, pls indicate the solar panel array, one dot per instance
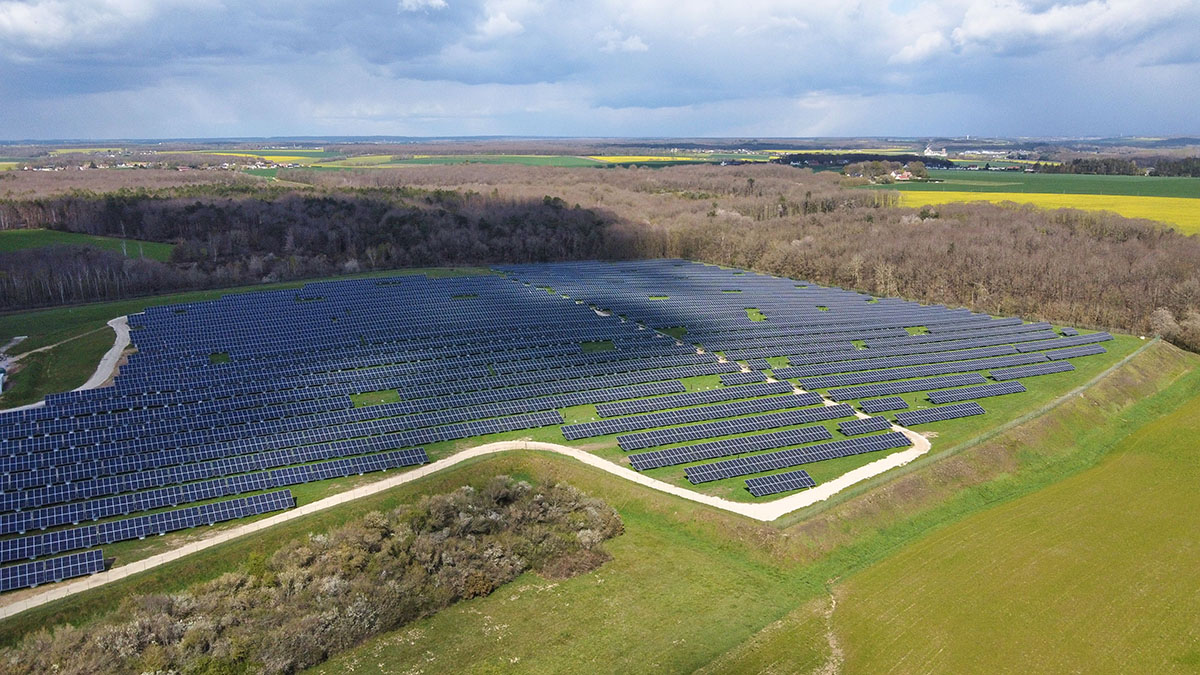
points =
(1032, 371)
(972, 393)
(643, 405)
(229, 398)
(743, 425)
(780, 482)
(851, 344)
(742, 466)
(742, 378)
(905, 386)
(32, 574)
(947, 412)
(878, 405)
(729, 447)
(865, 425)
(52, 543)
(687, 415)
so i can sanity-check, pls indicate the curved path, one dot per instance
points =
(105, 370)
(765, 511)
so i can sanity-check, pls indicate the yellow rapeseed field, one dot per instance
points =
(642, 158)
(1182, 213)
(287, 159)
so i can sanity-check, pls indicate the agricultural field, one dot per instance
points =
(1105, 557)
(15, 240)
(947, 180)
(1175, 201)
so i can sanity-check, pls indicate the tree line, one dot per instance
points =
(244, 240)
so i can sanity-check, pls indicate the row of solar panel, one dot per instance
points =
(904, 386)
(401, 439)
(139, 527)
(123, 505)
(689, 399)
(865, 377)
(939, 414)
(38, 572)
(649, 439)
(780, 482)
(732, 446)
(687, 415)
(782, 459)
(751, 377)
(145, 462)
(971, 393)
(864, 425)
(892, 361)
(879, 405)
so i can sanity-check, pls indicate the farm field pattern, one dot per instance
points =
(1175, 201)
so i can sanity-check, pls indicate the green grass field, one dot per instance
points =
(523, 160)
(14, 240)
(1096, 573)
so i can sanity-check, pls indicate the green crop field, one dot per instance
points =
(1045, 183)
(525, 160)
(14, 240)
(1106, 558)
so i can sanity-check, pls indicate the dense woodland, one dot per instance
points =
(330, 591)
(1100, 166)
(225, 241)
(1074, 267)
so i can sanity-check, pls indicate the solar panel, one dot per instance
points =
(1002, 374)
(686, 415)
(728, 447)
(780, 482)
(948, 412)
(649, 439)
(782, 459)
(33, 574)
(1072, 352)
(732, 379)
(1069, 332)
(879, 405)
(643, 405)
(905, 386)
(971, 393)
(865, 425)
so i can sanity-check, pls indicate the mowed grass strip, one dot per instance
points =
(16, 240)
(1096, 573)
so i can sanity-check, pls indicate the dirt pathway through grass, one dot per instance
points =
(105, 370)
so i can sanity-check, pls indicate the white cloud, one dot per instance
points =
(925, 46)
(499, 25)
(613, 41)
(55, 22)
(421, 5)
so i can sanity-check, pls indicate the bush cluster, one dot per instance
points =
(327, 592)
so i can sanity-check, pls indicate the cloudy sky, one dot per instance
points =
(204, 68)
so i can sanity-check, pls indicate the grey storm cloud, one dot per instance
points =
(160, 68)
